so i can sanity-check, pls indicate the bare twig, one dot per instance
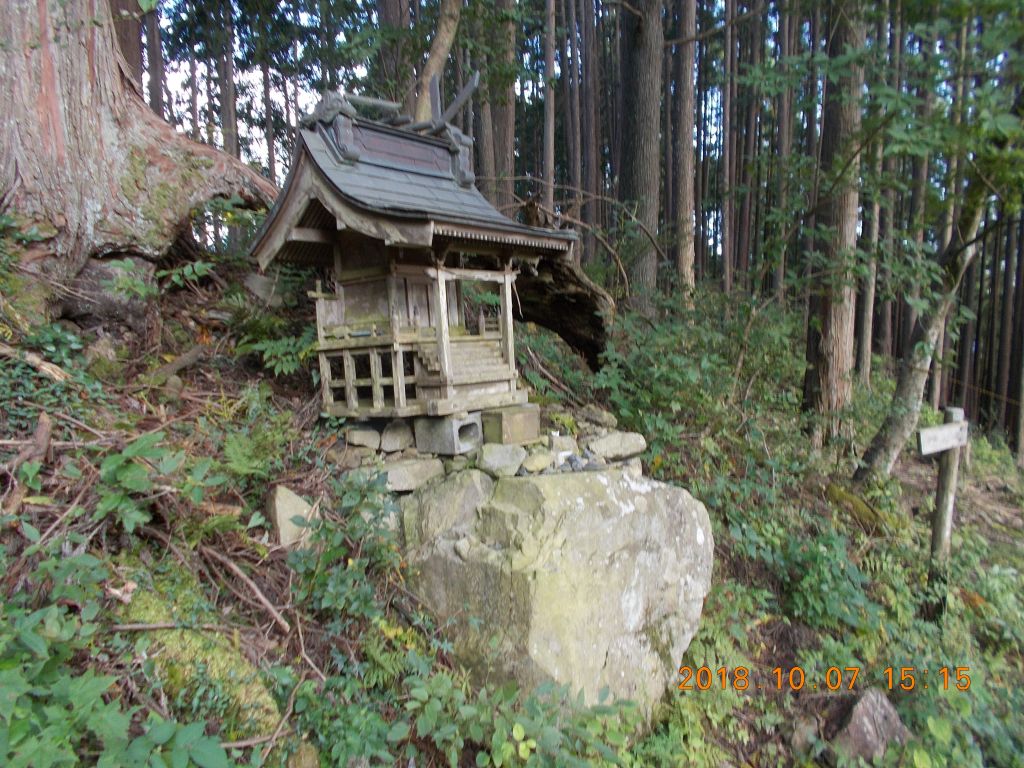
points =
(164, 625)
(284, 719)
(255, 741)
(257, 592)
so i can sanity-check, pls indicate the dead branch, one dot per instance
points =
(165, 625)
(284, 719)
(37, 447)
(257, 592)
(180, 363)
(55, 372)
(552, 379)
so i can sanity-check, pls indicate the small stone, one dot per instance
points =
(173, 388)
(456, 464)
(501, 460)
(538, 461)
(575, 463)
(283, 504)
(397, 436)
(363, 436)
(598, 416)
(872, 725)
(633, 467)
(101, 349)
(618, 445)
(349, 456)
(462, 548)
(562, 443)
(410, 474)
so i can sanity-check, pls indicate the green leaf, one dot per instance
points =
(921, 758)
(162, 732)
(518, 732)
(208, 753)
(399, 731)
(30, 531)
(145, 447)
(941, 729)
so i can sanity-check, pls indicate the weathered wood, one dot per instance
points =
(398, 376)
(375, 380)
(325, 379)
(443, 407)
(942, 520)
(310, 235)
(443, 338)
(942, 438)
(351, 397)
(55, 372)
(507, 343)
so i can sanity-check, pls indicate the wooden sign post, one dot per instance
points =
(947, 439)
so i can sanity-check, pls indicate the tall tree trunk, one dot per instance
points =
(1002, 388)
(397, 75)
(641, 174)
(127, 18)
(549, 105)
(226, 86)
(727, 162)
(1019, 348)
(591, 83)
(684, 145)
(867, 304)
(268, 124)
(485, 147)
(574, 128)
(155, 61)
(830, 338)
(785, 145)
(83, 152)
(193, 96)
(953, 262)
(503, 110)
(440, 47)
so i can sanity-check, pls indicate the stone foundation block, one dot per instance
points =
(448, 435)
(514, 425)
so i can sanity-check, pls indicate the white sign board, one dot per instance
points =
(942, 438)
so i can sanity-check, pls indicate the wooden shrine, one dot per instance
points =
(388, 212)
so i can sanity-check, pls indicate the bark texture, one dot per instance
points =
(440, 47)
(641, 172)
(85, 159)
(563, 299)
(827, 385)
(684, 146)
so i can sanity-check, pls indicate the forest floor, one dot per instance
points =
(989, 499)
(154, 484)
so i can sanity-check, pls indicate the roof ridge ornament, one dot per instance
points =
(331, 104)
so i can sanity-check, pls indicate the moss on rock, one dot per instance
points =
(188, 660)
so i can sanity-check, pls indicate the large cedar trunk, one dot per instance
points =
(85, 160)
(641, 171)
(684, 208)
(827, 384)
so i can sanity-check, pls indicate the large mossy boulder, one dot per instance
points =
(189, 661)
(589, 579)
